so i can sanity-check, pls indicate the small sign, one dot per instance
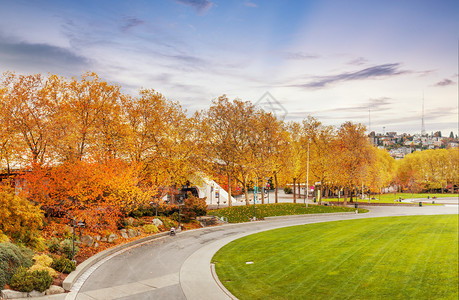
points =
(217, 194)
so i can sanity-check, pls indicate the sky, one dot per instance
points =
(373, 62)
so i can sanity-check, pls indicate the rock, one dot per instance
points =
(157, 222)
(124, 235)
(112, 237)
(9, 294)
(130, 221)
(132, 233)
(96, 244)
(97, 237)
(123, 230)
(54, 289)
(104, 239)
(87, 240)
(36, 294)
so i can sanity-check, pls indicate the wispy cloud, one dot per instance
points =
(367, 73)
(201, 6)
(445, 82)
(131, 22)
(358, 61)
(374, 104)
(355, 112)
(251, 4)
(29, 56)
(299, 55)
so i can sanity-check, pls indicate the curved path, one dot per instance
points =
(179, 267)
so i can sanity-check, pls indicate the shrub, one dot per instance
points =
(42, 260)
(42, 280)
(53, 245)
(150, 228)
(25, 281)
(288, 190)
(3, 238)
(50, 271)
(11, 258)
(21, 220)
(194, 207)
(138, 223)
(167, 222)
(37, 243)
(67, 248)
(63, 265)
(175, 216)
(22, 280)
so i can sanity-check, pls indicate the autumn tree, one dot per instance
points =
(227, 125)
(353, 156)
(320, 139)
(382, 171)
(27, 106)
(84, 114)
(162, 139)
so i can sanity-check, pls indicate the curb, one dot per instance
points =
(70, 280)
(308, 215)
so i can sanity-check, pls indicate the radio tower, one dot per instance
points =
(423, 127)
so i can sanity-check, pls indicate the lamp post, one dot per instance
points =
(254, 190)
(307, 178)
(73, 242)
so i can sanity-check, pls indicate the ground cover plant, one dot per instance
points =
(413, 257)
(243, 213)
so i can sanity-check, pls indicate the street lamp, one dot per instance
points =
(255, 197)
(307, 179)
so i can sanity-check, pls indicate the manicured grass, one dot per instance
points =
(244, 213)
(413, 257)
(390, 197)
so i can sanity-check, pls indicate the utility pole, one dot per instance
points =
(307, 179)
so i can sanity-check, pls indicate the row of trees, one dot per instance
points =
(429, 170)
(245, 142)
(97, 153)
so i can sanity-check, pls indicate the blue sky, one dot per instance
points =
(334, 60)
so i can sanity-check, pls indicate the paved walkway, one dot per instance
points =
(179, 267)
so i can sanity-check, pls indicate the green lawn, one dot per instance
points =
(389, 198)
(413, 257)
(243, 213)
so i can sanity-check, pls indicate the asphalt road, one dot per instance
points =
(152, 270)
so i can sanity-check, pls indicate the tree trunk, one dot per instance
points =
(299, 190)
(275, 193)
(319, 194)
(262, 194)
(246, 193)
(229, 191)
(345, 196)
(294, 190)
